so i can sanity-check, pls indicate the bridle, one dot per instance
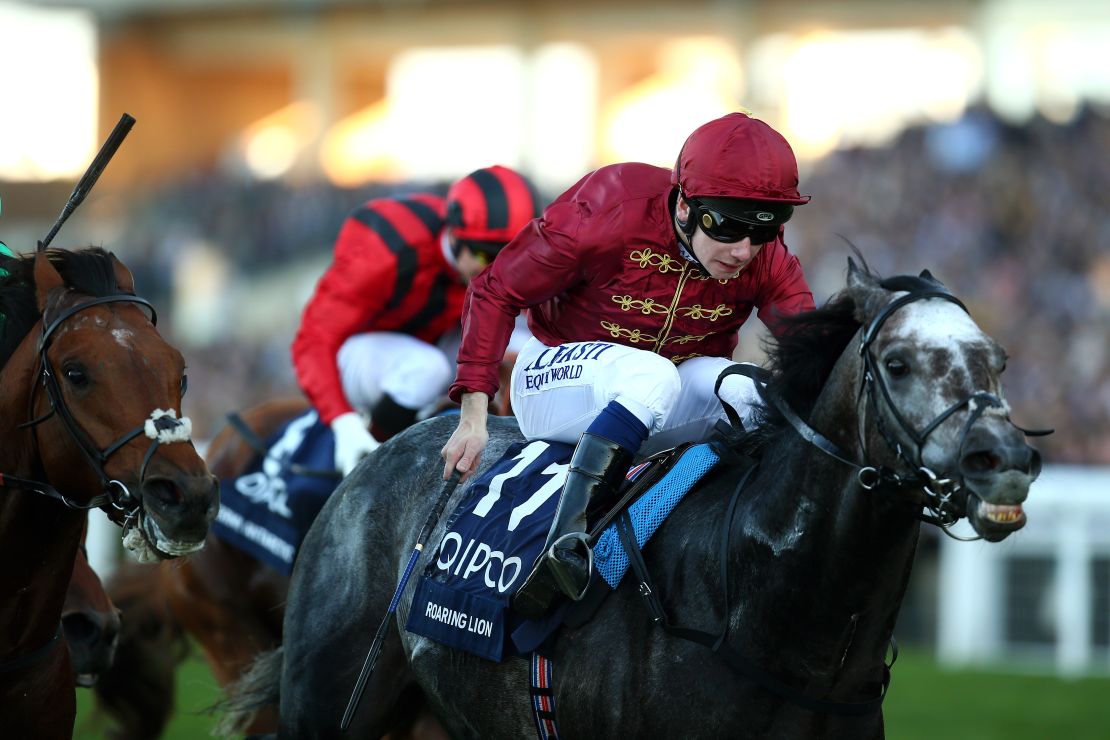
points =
(943, 493)
(158, 427)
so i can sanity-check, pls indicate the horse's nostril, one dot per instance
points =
(80, 629)
(980, 462)
(163, 490)
(1034, 463)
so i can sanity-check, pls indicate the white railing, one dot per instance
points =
(1033, 596)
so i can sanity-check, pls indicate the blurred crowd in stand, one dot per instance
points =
(1014, 219)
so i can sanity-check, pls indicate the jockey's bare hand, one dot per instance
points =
(463, 452)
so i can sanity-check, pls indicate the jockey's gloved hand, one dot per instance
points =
(353, 441)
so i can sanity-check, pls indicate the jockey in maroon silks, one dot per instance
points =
(367, 342)
(638, 279)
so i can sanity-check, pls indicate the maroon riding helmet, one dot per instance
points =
(738, 169)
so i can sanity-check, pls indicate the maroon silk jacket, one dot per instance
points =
(603, 263)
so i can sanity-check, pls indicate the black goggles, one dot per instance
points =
(722, 228)
(484, 252)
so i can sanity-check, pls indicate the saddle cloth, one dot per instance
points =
(494, 536)
(267, 511)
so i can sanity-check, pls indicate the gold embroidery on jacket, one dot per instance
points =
(712, 314)
(663, 262)
(633, 335)
(648, 259)
(679, 359)
(669, 321)
(695, 274)
(687, 339)
(646, 307)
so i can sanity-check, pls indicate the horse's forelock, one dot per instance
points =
(88, 271)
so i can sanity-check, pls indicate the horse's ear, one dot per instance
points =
(47, 279)
(926, 275)
(859, 278)
(124, 279)
(866, 292)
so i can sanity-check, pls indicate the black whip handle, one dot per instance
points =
(92, 174)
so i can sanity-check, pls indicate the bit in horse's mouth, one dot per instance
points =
(149, 544)
(162, 545)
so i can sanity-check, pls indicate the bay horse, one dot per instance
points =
(230, 603)
(884, 404)
(92, 397)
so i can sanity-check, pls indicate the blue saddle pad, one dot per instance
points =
(266, 511)
(495, 535)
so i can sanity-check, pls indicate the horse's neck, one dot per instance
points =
(38, 542)
(38, 536)
(820, 564)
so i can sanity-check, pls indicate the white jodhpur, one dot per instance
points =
(558, 391)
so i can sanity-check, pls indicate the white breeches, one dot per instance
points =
(558, 391)
(409, 370)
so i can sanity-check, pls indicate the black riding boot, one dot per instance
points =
(597, 469)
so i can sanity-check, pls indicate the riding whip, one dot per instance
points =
(379, 636)
(92, 174)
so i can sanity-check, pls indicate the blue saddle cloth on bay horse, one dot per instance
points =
(498, 530)
(267, 510)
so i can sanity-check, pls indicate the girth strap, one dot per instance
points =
(718, 643)
(543, 698)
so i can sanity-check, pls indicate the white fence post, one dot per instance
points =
(1068, 513)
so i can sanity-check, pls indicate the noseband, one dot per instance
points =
(162, 426)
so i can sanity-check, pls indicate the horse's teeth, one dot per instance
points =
(1000, 513)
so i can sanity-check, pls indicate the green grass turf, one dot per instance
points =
(924, 703)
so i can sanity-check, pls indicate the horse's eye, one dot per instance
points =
(896, 367)
(76, 376)
(184, 384)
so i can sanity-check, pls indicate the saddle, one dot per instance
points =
(497, 531)
(266, 511)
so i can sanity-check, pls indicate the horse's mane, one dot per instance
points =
(88, 271)
(809, 345)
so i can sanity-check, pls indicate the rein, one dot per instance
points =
(236, 422)
(939, 499)
(35, 655)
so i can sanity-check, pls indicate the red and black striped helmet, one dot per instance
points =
(488, 207)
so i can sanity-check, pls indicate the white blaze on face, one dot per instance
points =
(939, 323)
(930, 326)
(124, 338)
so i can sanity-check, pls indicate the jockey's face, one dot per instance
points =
(722, 260)
(470, 264)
